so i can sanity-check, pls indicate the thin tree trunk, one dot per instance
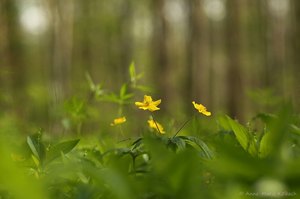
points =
(235, 88)
(12, 65)
(160, 49)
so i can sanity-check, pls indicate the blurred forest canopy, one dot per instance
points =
(233, 56)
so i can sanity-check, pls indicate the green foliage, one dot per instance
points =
(62, 147)
(214, 158)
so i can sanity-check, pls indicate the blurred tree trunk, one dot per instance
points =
(276, 51)
(62, 41)
(294, 43)
(61, 45)
(12, 74)
(235, 90)
(160, 49)
(194, 85)
(126, 40)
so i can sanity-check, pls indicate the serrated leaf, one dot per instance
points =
(63, 147)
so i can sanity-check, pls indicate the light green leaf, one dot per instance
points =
(132, 72)
(63, 147)
(123, 91)
(246, 140)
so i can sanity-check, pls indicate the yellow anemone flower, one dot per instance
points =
(153, 125)
(201, 109)
(117, 121)
(148, 104)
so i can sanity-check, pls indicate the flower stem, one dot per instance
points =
(121, 130)
(183, 125)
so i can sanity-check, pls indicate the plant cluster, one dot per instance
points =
(259, 159)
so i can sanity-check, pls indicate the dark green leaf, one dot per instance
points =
(204, 148)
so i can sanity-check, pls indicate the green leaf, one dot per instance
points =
(63, 147)
(241, 133)
(123, 90)
(144, 88)
(132, 72)
(178, 142)
(90, 81)
(277, 128)
(204, 148)
(36, 146)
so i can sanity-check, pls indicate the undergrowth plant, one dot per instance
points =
(260, 159)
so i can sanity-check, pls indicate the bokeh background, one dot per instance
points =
(234, 56)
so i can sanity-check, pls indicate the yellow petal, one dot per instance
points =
(202, 109)
(152, 108)
(119, 120)
(147, 99)
(139, 103)
(159, 127)
(157, 102)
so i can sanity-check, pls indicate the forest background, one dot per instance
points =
(239, 57)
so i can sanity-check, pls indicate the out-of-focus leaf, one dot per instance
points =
(63, 147)
(123, 90)
(246, 140)
(144, 88)
(295, 129)
(132, 72)
(277, 129)
(36, 146)
(13, 178)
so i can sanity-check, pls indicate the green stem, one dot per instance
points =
(121, 130)
(187, 121)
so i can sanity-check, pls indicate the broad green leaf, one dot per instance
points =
(265, 145)
(241, 133)
(63, 147)
(277, 128)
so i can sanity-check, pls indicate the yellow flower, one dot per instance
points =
(201, 109)
(148, 104)
(153, 125)
(117, 121)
